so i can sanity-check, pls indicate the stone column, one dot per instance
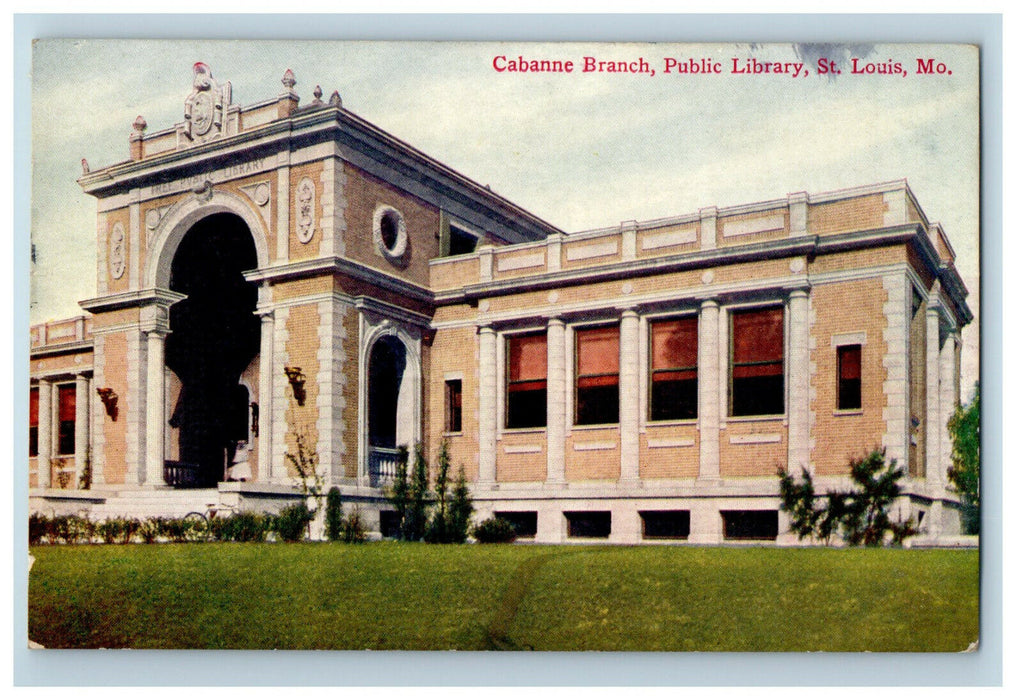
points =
(488, 406)
(933, 427)
(556, 401)
(948, 399)
(266, 391)
(156, 420)
(628, 404)
(82, 403)
(709, 382)
(799, 381)
(45, 433)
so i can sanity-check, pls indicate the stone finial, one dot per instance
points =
(85, 167)
(139, 124)
(335, 99)
(317, 94)
(288, 81)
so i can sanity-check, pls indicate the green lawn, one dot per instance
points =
(411, 596)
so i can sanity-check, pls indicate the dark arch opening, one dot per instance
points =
(386, 369)
(214, 337)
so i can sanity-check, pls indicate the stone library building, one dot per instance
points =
(282, 278)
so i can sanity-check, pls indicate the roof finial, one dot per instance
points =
(288, 80)
(317, 94)
(335, 99)
(140, 124)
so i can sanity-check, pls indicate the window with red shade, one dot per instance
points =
(596, 372)
(849, 373)
(453, 406)
(66, 419)
(527, 381)
(673, 359)
(758, 362)
(33, 422)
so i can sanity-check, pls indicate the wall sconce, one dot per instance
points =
(109, 398)
(297, 380)
(254, 410)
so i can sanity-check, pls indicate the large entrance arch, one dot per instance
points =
(214, 337)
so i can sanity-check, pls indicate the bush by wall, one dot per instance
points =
(494, 530)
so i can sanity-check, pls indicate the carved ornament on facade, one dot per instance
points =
(206, 106)
(116, 257)
(390, 232)
(305, 199)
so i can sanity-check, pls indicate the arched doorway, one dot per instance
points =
(391, 415)
(214, 338)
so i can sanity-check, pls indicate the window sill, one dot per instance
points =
(524, 431)
(671, 423)
(848, 412)
(597, 426)
(450, 435)
(755, 419)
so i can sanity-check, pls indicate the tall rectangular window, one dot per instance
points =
(66, 419)
(527, 381)
(33, 422)
(673, 359)
(849, 372)
(453, 406)
(596, 383)
(758, 362)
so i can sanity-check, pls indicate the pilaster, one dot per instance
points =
(488, 406)
(45, 439)
(799, 381)
(556, 388)
(82, 404)
(629, 396)
(709, 384)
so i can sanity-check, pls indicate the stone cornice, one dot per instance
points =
(131, 299)
(332, 265)
(77, 346)
(366, 145)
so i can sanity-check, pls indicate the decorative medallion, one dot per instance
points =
(484, 305)
(552, 297)
(796, 265)
(708, 277)
(389, 232)
(627, 288)
(261, 195)
(305, 197)
(116, 258)
(152, 218)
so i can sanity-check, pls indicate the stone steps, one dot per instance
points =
(153, 503)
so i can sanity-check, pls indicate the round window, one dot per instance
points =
(389, 232)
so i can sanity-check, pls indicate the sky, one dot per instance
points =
(581, 150)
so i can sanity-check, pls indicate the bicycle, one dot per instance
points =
(199, 527)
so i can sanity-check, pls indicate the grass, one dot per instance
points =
(411, 596)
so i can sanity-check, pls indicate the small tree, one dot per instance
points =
(860, 514)
(334, 517)
(437, 530)
(461, 509)
(964, 429)
(413, 525)
(398, 494)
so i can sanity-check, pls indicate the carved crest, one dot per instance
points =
(206, 106)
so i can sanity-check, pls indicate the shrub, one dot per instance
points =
(38, 526)
(334, 519)
(291, 523)
(861, 514)
(149, 530)
(246, 526)
(174, 529)
(353, 530)
(494, 530)
(110, 530)
(70, 529)
(964, 429)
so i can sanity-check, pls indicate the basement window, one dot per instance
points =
(390, 524)
(665, 524)
(590, 524)
(524, 521)
(750, 524)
